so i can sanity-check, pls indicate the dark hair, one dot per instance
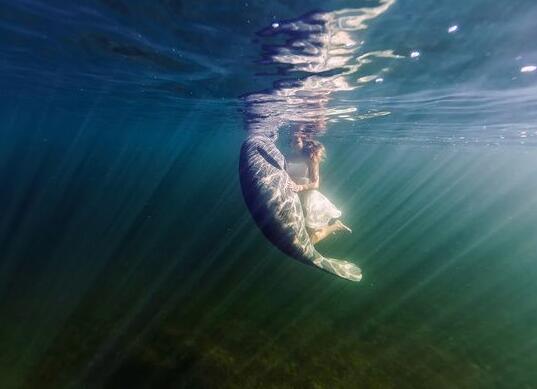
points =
(313, 148)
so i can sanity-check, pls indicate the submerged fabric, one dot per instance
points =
(318, 210)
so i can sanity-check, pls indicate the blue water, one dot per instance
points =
(129, 259)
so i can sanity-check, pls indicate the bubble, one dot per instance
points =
(528, 69)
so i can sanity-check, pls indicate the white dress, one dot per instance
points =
(318, 210)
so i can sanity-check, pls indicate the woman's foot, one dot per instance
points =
(342, 227)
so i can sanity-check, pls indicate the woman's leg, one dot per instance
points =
(321, 233)
(342, 226)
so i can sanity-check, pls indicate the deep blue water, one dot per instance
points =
(128, 257)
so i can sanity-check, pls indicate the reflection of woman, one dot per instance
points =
(320, 214)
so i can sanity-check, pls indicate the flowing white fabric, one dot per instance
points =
(318, 210)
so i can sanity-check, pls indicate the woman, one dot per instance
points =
(321, 216)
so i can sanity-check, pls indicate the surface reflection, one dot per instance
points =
(319, 54)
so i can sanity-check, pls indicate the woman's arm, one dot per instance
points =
(298, 187)
(313, 167)
(314, 174)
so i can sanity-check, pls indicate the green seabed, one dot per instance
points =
(289, 345)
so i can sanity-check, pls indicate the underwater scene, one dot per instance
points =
(268, 194)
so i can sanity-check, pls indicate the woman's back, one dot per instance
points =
(298, 170)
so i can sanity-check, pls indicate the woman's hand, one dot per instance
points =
(294, 187)
(301, 188)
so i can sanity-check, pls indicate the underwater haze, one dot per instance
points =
(128, 257)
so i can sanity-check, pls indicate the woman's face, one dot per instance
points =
(297, 142)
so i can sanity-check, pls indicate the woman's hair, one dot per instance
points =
(314, 149)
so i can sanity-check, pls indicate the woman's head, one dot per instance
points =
(314, 149)
(297, 141)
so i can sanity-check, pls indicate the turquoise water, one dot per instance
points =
(128, 258)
